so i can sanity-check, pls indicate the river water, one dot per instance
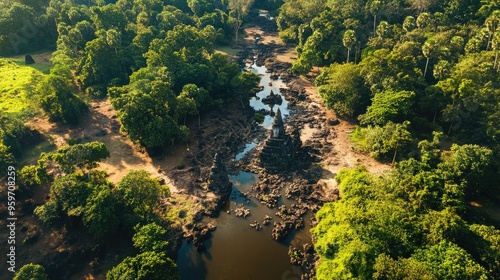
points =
(236, 250)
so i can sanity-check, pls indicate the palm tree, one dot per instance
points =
(428, 50)
(349, 40)
(495, 46)
(375, 8)
(113, 39)
(491, 25)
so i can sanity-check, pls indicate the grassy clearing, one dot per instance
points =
(182, 211)
(227, 50)
(42, 61)
(16, 87)
(358, 138)
(31, 156)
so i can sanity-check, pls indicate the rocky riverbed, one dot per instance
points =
(300, 183)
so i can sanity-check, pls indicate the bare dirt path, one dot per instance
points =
(101, 124)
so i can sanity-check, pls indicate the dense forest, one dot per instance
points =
(156, 62)
(415, 74)
(419, 78)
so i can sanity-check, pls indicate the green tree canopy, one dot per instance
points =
(58, 100)
(343, 89)
(143, 109)
(448, 261)
(145, 266)
(150, 238)
(99, 215)
(83, 156)
(238, 10)
(388, 106)
(71, 193)
(140, 193)
(31, 272)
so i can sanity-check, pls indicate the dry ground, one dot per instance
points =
(101, 124)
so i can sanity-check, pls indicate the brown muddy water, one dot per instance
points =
(237, 251)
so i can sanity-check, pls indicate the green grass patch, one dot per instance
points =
(227, 50)
(42, 61)
(358, 138)
(16, 87)
(258, 117)
(181, 211)
(31, 156)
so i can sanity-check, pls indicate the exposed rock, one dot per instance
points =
(28, 59)
(333, 122)
(281, 230)
(211, 227)
(31, 237)
(241, 212)
(267, 220)
(256, 225)
(218, 182)
(305, 257)
(201, 234)
(272, 99)
(101, 133)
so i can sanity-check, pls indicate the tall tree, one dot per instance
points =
(150, 238)
(441, 70)
(429, 49)
(59, 101)
(492, 23)
(114, 39)
(31, 272)
(238, 10)
(99, 215)
(349, 40)
(70, 192)
(446, 260)
(83, 156)
(145, 266)
(424, 20)
(388, 106)
(409, 24)
(343, 90)
(143, 108)
(140, 193)
(495, 46)
(376, 7)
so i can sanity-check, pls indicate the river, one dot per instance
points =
(236, 250)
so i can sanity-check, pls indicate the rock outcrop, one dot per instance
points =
(28, 59)
(272, 99)
(218, 183)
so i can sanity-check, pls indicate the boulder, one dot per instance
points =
(28, 59)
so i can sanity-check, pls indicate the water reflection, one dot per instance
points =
(237, 251)
(248, 148)
(268, 84)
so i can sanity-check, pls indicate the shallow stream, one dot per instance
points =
(237, 251)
